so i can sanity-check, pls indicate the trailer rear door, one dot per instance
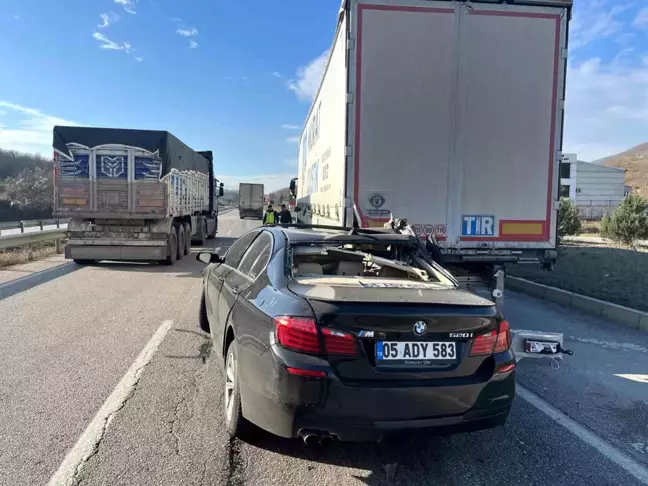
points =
(509, 126)
(404, 86)
(456, 118)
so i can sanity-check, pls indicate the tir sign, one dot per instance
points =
(478, 225)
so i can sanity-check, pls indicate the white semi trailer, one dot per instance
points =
(449, 114)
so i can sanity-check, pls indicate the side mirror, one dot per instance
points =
(221, 191)
(208, 257)
(293, 187)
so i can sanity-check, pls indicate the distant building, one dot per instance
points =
(596, 189)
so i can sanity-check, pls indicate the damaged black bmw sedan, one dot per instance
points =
(347, 334)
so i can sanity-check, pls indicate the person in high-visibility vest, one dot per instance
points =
(270, 217)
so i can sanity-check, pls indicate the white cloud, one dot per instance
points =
(192, 44)
(107, 19)
(139, 58)
(128, 5)
(291, 127)
(187, 32)
(277, 75)
(32, 133)
(641, 20)
(607, 107)
(308, 78)
(292, 140)
(271, 182)
(108, 44)
(594, 20)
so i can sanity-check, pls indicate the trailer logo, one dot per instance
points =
(478, 225)
(377, 200)
(112, 167)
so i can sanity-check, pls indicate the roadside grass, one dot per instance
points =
(590, 228)
(616, 275)
(26, 253)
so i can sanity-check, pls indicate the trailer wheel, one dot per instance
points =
(187, 230)
(212, 235)
(181, 240)
(172, 247)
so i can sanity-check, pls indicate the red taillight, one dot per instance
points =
(338, 342)
(492, 342)
(483, 344)
(306, 373)
(298, 334)
(503, 337)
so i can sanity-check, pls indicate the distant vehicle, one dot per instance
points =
(421, 125)
(365, 335)
(251, 200)
(135, 195)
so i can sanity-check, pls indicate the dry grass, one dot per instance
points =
(590, 228)
(613, 274)
(26, 253)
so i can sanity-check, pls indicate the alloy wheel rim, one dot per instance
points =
(230, 383)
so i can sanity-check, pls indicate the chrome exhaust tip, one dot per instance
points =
(310, 439)
(326, 440)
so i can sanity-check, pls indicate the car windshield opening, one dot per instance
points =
(354, 262)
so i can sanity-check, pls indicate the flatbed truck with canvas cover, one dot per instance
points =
(134, 195)
(449, 114)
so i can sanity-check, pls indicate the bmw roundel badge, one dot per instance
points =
(420, 328)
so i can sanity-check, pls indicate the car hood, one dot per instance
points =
(358, 289)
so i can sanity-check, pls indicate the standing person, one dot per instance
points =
(285, 217)
(270, 217)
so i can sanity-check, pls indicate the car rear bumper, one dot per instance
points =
(288, 405)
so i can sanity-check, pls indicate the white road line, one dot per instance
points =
(605, 448)
(87, 443)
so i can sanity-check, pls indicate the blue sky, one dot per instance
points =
(237, 76)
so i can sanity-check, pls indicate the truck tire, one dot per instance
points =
(212, 235)
(84, 262)
(181, 240)
(172, 247)
(187, 247)
(201, 235)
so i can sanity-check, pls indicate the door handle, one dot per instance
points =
(221, 279)
(235, 290)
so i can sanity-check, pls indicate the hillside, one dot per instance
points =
(635, 161)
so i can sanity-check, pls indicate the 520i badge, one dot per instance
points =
(461, 334)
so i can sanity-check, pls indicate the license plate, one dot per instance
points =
(415, 352)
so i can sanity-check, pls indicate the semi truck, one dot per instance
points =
(453, 121)
(251, 200)
(134, 195)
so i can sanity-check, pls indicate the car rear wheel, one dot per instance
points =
(235, 423)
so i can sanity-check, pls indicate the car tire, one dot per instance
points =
(202, 316)
(172, 247)
(235, 424)
(181, 240)
(187, 230)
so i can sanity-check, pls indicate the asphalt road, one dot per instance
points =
(70, 335)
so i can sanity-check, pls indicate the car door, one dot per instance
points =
(216, 280)
(250, 317)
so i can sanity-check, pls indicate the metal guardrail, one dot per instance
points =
(34, 223)
(10, 241)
